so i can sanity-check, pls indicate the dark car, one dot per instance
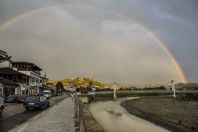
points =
(21, 98)
(11, 98)
(36, 102)
(1, 106)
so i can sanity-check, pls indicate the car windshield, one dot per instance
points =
(33, 98)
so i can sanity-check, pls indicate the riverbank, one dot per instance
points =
(174, 114)
(114, 118)
(84, 120)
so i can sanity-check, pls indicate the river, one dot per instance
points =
(114, 118)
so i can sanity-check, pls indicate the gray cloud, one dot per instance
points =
(85, 42)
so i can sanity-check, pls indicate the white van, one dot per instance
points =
(47, 93)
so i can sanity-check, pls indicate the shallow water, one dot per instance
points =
(114, 118)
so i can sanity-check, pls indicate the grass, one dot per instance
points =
(188, 97)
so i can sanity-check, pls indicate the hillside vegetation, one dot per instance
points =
(79, 82)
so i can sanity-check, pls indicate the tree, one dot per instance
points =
(59, 87)
(89, 87)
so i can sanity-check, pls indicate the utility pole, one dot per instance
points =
(173, 88)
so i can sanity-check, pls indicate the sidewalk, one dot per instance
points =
(58, 119)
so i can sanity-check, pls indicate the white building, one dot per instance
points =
(5, 64)
(31, 70)
(26, 74)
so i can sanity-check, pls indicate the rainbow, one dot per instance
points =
(178, 67)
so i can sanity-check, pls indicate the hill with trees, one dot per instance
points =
(79, 82)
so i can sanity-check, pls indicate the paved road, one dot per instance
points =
(15, 114)
(12, 109)
(59, 118)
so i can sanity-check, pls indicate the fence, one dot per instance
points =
(144, 92)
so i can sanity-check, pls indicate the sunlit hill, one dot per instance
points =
(79, 82)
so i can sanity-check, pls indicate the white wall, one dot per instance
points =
(4, 64)
(34, 78)
(18, 90)
(26, 72)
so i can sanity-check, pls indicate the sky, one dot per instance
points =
(102, 39)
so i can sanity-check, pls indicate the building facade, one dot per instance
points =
(33, 72)
(26, 75)
(14, 77)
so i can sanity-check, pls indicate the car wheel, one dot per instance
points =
(1, 112)
(48, 105)
(26, 108)
(41, 107)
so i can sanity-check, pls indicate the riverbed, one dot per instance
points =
(114, 118)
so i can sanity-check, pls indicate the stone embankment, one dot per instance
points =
(84, 120)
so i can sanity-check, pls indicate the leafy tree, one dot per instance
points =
(59, 87)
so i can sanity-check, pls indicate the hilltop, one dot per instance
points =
(79, 81)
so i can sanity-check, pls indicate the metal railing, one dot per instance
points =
(147, 91)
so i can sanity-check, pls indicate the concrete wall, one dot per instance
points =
(84, 119)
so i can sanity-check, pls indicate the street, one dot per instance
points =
(15, 114)
(59, 118)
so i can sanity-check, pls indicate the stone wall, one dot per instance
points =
(84, 120)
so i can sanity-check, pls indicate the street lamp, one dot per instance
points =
(114, 90)
(173, 88)
(94, 94)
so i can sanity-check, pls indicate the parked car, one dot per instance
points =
(11, 98)
(47, 93)
(1, 105)
(21, 98)
(36, 102)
